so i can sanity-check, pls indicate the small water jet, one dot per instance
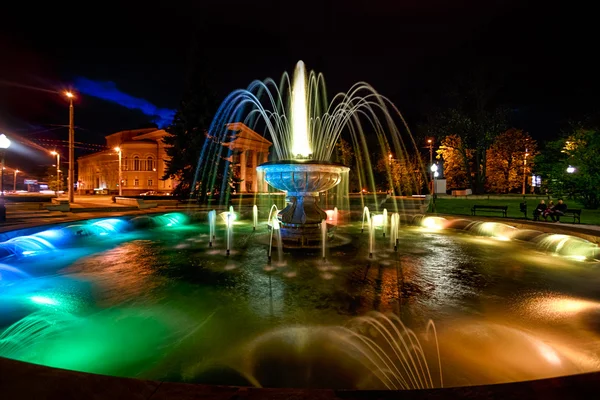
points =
(212, 221)
(323, 238)
(366, 217)
(385, 221)
(254, 217)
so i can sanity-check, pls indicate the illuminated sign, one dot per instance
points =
(30, 181)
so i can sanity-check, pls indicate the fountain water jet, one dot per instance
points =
(366, 217)
(254, 217)
(212, 220)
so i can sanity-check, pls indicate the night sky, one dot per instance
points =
(127, 60)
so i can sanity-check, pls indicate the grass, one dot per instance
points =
(462, 206)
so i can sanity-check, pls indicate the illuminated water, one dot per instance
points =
(159, 303)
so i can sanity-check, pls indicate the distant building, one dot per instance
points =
(250, 149)
(143, 158)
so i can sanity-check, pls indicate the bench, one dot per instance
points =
(501, 209)
(573, 212)
(139, 203)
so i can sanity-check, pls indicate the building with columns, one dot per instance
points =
(142, 163)
(249, 151)
(143, 158)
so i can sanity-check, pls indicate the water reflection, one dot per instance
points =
(505, 310)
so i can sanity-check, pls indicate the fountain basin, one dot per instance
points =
(302, 180)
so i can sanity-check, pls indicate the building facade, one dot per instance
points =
(250, 150)
(143, 158)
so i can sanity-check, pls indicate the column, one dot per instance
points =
(254, 174)
(243, 171)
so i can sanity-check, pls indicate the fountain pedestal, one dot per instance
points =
(302, 180)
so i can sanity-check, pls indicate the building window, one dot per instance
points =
(150, 163)
(124, 182)
(136, 163)
(124, 164)
(150, 182)
(136, 182)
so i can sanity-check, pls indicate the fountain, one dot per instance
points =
(302, 178)
(305, 129)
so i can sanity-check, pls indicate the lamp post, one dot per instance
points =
(430, 145)
(15, 181)
(434, 174)
(4, 144)
(57, 154)
(525, 171)
(71, 148)
(118, 150)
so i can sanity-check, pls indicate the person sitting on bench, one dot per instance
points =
(558, 210)
(539, 210)
(548, 210)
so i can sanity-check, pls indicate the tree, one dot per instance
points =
(578, 149)
(50, 178)
(506, 165)
(404, 175)
(188, 131)
(458, 161)
(471, 113)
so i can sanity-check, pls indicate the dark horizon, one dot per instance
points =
(412, 53)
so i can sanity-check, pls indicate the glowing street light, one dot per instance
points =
(118, 150)
(435, 174)
(70, 96)
(57, 154)
(570, 169)
(4, 145)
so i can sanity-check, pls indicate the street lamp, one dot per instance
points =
(434, 174)
(570, 169)
(57, 154)
(4, 144)
(118, 150)
(430, 145)
(15, 181)
(525, 170)
(70, 96)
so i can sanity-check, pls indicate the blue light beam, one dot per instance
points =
(107, 90)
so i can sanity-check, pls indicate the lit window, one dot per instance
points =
(136, 182)
(150, 182)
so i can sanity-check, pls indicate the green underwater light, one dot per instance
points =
(44, 300)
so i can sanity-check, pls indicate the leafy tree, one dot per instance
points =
(188, 130)
(50, 178)
(506, 166)
(580, 150)
(404, 175)
(458, 161)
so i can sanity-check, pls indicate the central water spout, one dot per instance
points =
(299, 115)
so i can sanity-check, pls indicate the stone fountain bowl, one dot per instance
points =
(302, 177)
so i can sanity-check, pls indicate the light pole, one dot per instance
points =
(118, 150)
(434, 174)
(4, 144)
(430, 145)
(15, 181)
(71, 148)
(525, 171)
(57, 154)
